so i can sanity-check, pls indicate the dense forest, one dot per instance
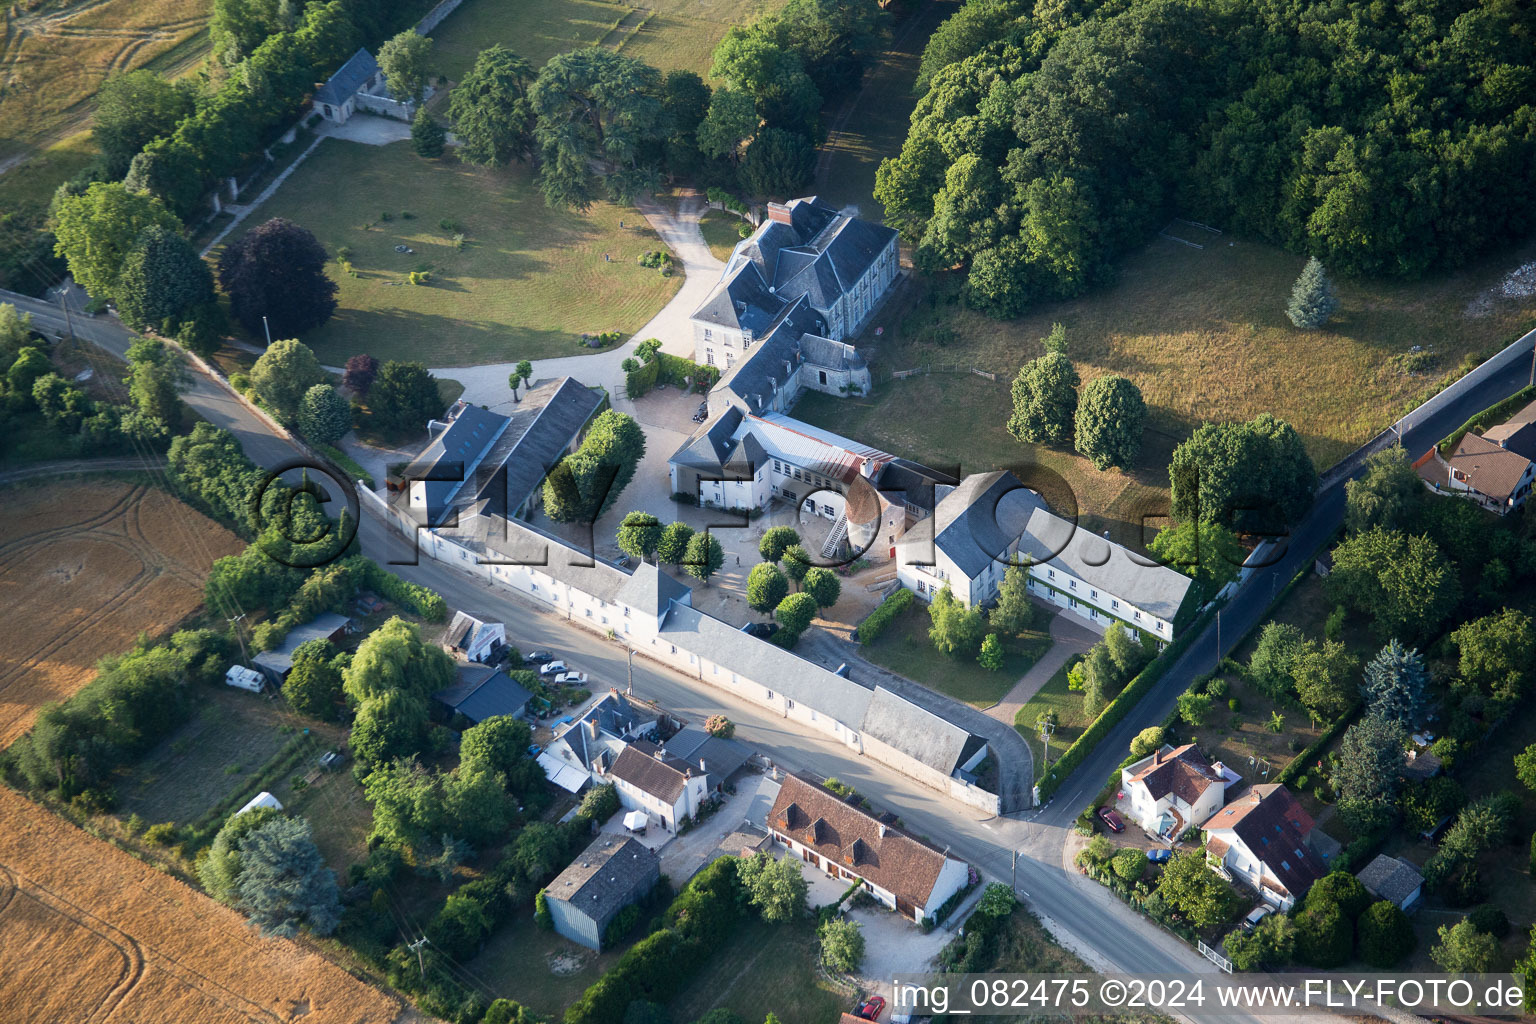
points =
(1387, 139)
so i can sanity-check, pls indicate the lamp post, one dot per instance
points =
(266, 329)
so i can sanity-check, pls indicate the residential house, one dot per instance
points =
(1496, 477)
(483, 692)
(586, 747)
(1393, 879)
(969, 541)
(472, 639)
(717, 756)
(1101, 582)
(848, 844)
(1173, 789)
(609, 875)
(1261, 838)
(667, 788)
(1516, 434)
(277, 662)
(837, 267)
(483, 462)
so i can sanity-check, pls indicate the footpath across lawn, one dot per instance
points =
(904, 648)
(524, 282)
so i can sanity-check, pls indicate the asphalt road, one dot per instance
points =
(1096, 925)
(1252, 602)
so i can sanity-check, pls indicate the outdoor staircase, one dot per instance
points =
(838, 534)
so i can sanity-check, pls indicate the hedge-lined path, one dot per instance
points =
(1068, 637)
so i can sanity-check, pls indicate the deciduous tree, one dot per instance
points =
(731, 120)
(163, 282)
(672, 548)
(359, 374)
(1044, 400)
(955, 629)
(133, 109)
(774, 886)
(276, 271)
(404, 59)
(1208, 552)
(842, 945)
(775, 541)
(313, 685)
(822, 584)
(991, 655)
(704, 557)
(1190, 887)
(1014, 613)
(1388, 494)
(766, 587)
(283, 375)
(1254, 476)
(639, 534)
(794, 613)
(1403, 582)
(1109, 421)
(97, 229)
(324, 416)
(1464, 949)
(404, 397)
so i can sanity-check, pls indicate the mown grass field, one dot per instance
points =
(669, 34)
(721, 231)
(527, 283)
(1071, 719)
(1202, 332)
(904, 648)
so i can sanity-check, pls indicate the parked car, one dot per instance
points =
(1256, 915)
(1112, 820)
(571, 678)
(332, 759)
(871, 1008)
(1159, 856)
(534, 657)
(550, 668)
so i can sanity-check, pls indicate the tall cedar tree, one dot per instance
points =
(596, 111)
(277, 270)
(490, 112)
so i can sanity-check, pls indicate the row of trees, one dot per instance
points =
(601, 124)
(1044, 143)
(1105, 423)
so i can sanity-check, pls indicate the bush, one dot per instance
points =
(541, 915)
(1490, 920)
(1385, 935)
(164, 834)
(878, 620)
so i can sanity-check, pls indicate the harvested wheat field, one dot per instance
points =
(92, 935)
(85, 567)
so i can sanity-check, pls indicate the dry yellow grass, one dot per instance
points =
(84, 569)
(55, 55)
(90, 934)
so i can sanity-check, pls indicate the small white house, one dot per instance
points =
(667, 789)
(262, 799)
(1173, 789)
(244, 678)
(472, 639)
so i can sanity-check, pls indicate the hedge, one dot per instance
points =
(876, 622)
(638, 382)
(663, 964)
(413, 597)
(1491, 416)
(1116, 710)
(1300, 762)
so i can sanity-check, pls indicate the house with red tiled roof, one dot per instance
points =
(1263, 839)
(1173, 789)
(1498, 478)
(850, 844)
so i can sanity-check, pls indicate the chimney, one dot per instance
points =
(658, 755)
(591, 727)
(882, 830)
(779, 213)
(702, 766)
(841, 670)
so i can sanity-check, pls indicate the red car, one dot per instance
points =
(1108, 816)
(872, 1008)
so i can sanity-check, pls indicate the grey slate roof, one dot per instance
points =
(711, 445)
(606, 877)
(767, 665)
(280, 659)
(912, 483)
(767, 365)
(452, 457)
(922, 735)
(649, 590)
(741, 300)
(349, 78)
(1390, 878)
(483, 692)
(976, 522)
(1153, 588)
(721, 757)
(543, 425)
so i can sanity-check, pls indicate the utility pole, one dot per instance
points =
(416, 946)
(239, 635)
(1013, 882)
(266, 329)
(69, 323)
(629, 687)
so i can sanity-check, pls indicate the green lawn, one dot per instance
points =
(1201, 332)
(721, 232)
(665, 33)
(1071, 720)
(543, 971)
(528, 282)
(904, 647)
(761, 968)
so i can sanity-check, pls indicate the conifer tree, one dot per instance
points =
(1313, 302)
